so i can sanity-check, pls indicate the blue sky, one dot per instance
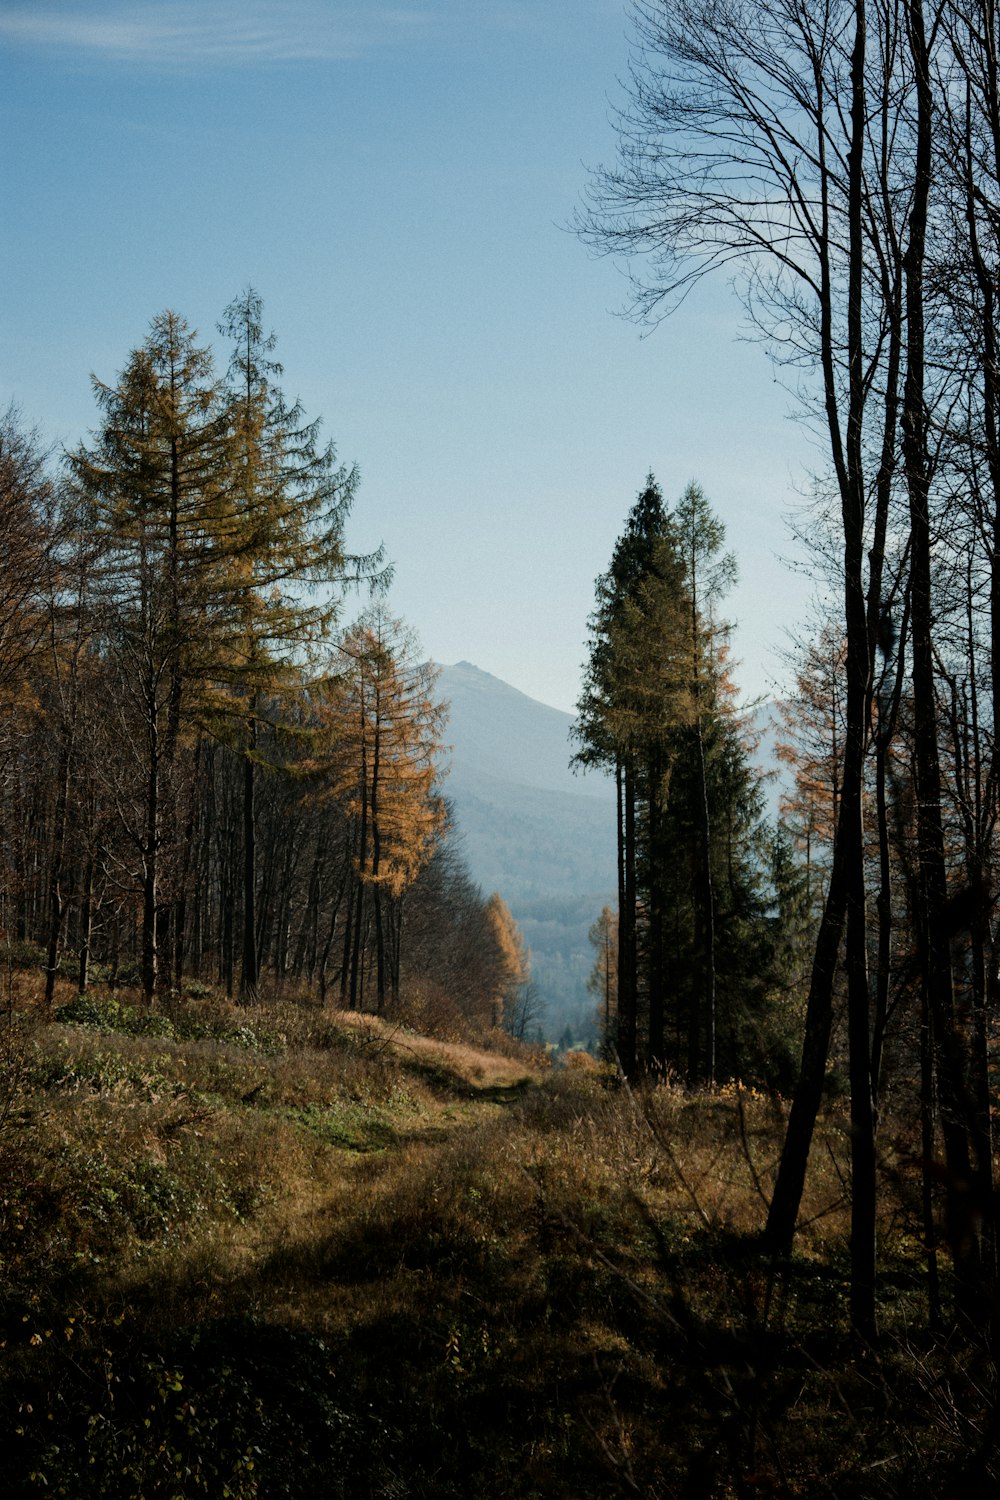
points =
(395, 180)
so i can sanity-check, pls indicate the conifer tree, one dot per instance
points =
(602, 982)
(288, 502)
(156, 483)
(635, 687)
(657, 709)
(378, 750)
(709, 573)
(513, 972)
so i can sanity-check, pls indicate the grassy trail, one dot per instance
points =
(289, 1253)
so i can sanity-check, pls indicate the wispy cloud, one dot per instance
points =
(214, 32)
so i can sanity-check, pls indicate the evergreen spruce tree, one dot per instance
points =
(634, 689)
(695, 956)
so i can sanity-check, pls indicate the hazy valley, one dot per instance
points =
(530, 828)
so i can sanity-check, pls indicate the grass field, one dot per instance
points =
(290, 1252)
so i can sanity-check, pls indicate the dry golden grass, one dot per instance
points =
(480, 1067)
(431, 1270)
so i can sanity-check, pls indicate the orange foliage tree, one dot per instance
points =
(382, 726)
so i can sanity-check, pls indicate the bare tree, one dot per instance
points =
(769, 135)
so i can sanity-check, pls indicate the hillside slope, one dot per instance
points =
(285, 1252)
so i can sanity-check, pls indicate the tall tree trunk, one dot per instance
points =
(952, 1086)
(622, 970)
(86, 923)
(150, 865)
(627, 966)
(788, 1188)
(380, 966)
(331, 930)
(249, 973)
(657, 967)
(307, 941)
(56, 863)
(928, 1115)
(360, 916)
(859, 665)
(988, 81)
(846, 893)
(707, 899)
(227, 901)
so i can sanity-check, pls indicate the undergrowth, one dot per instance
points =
(294, 1253)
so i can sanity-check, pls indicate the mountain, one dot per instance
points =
(532, 830)
(500, 732)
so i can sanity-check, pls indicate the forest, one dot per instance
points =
(289, 1205)
(208, 774)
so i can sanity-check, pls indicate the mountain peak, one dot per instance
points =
(466, 676)
(500, 732)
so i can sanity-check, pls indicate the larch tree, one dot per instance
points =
(602, 982)
(810, 744)
(156, 483)
(67, 692)
(378, 752)
(27, 535)
(288, 501)
(513, 970)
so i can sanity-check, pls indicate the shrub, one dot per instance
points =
(107, 1013)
